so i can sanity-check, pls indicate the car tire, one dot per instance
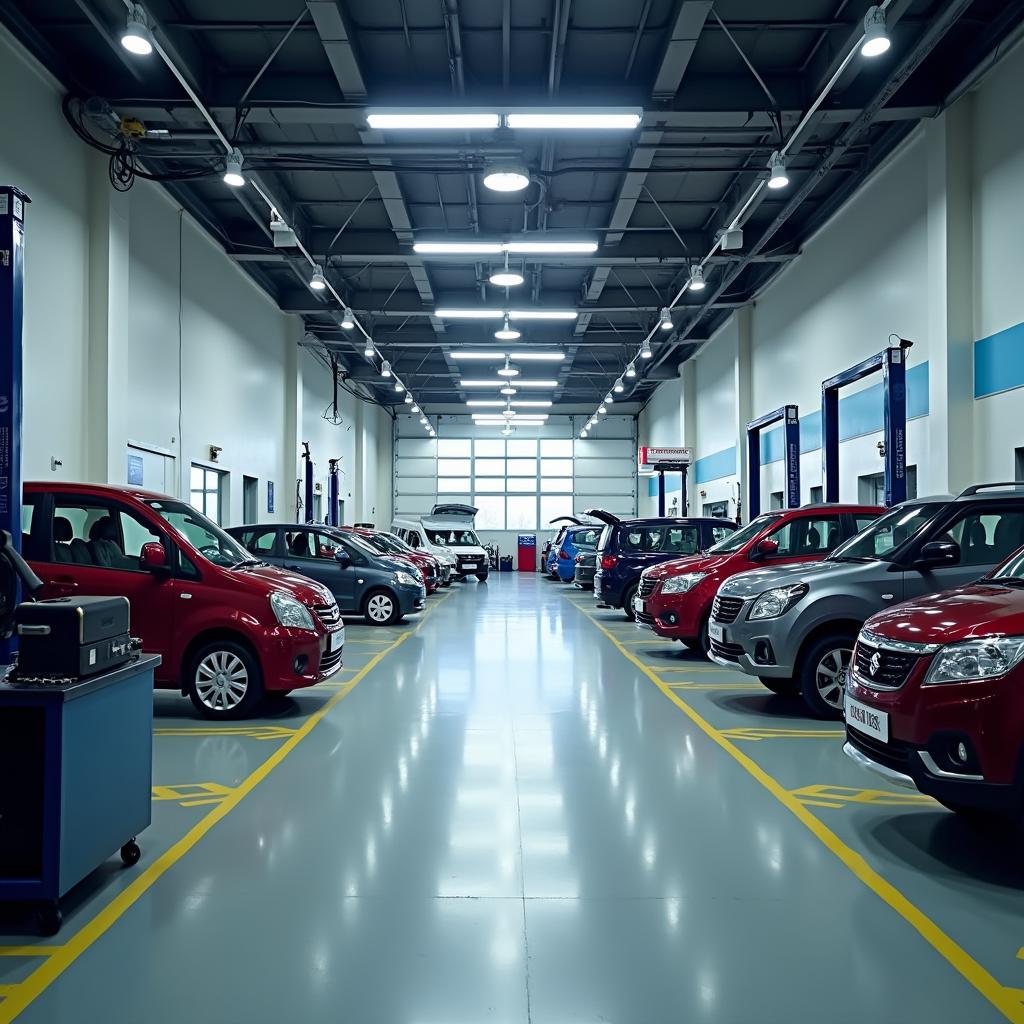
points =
(627, 602)
(223, 680)
(782, 687)
(380, 608)
(482, 577)
(821, 676)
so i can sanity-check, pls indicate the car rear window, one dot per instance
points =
(676, 540)
(605, 538)
(587, 538)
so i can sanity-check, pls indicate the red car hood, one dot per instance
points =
(692, 563)
(419, 560)
(266, 578)
(967, 613)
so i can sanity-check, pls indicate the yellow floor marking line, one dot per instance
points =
(688, 668)
(840, 796)
(712, 686)
(1020, 953)
(193, 794)
(757, 732)
(1006, 1000)
(64, 956)
(28, 950)
(253, 732)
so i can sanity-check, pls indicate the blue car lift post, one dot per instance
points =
(307, 468)
(892, 363)
(333, 493)
(790, 416)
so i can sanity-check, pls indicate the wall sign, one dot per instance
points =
(270, 495)
(135, 470)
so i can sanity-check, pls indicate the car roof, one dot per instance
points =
(672, 521)
(111, 490)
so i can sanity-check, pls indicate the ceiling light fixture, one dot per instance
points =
(583, 432)
(137, 37)
(508, 390)
(348, 321)
(318, 282)
(399, 386)
(233, 169)
(457, 248)
(508, 431)
(876, 39)
(506, 278)
(697, 282)
(528, 247)
(481, 383)
(578, 118)
(385, 369)
(478, 403)
(432, 120)
(506, 177)
(508, 370)
(368, 351)
(468, 314)
(408, 398)
(536, 383)
(532, 405)
(608, 398)
(602, 410)
(777, 176)
(665, 320)
(423, 420)
(546, 357)
(493, 357)
(645, 349)
(631, 371)
(619, 387)
(542, 314)
(507, 333)
(415, 408)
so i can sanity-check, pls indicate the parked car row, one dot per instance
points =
(908, 623)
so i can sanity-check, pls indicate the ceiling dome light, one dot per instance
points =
(507, 431)
(506, 278)
(506, 177)
(415, 408)
(608, 398)
(619, 387)
(777, 176)
(583, 432)
(508, 413)
(508, 390)
(318, 282)
(631, 371)
(137, 37)
(507, 333)
(602, 410)
(348, 321)
(369, 351)
(399, 386)
(508, 370)
(233, 169)
(665, 320)
(645, 350)
(408, 398)
(876, 40)
(697, 282)
(385, 369)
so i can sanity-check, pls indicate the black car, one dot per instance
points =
(628, 546)
(586, 567)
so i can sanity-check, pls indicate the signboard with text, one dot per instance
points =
(653, 460)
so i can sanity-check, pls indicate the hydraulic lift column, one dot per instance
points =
(790, 416)
(333, 493)
(12, 290)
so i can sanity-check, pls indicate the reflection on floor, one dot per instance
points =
(524, 809)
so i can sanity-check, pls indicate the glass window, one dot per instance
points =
(521, 512)
(521, 449)
(735, 540)
(887, 533)
(987, 538)
(862, 522)
(522, 467)
(106, 536)
(556, 467)
(818, 536)
(490, 514)
(549, 486)
(260, 542)
(205, 493)
(587, 538)
(556, 449)
(489, 467)
(683, 540)
(451, 484)
(719, 533)
(453, 467)
(522, 485)
(489, 449)
(552, 506)
(785, 537)
(454, 448)
(135, 533)
(202, 533)
(490, 485)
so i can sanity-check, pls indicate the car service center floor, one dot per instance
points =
(522, 808)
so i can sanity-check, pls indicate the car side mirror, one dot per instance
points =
(153, 557)
(763, 549)
(937, 553)
(343, 558)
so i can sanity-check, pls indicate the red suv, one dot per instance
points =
(934, 697)
(227, 626)
(675, 598)
(390, 545)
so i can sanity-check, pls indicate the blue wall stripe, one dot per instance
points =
(859, 414)
(673, 482)
(999, 362)
(716, 465)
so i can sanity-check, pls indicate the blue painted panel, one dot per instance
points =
(999, 362)
(715, 466)
(673, 482)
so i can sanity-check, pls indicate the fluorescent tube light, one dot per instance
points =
(469, 314)
(493, 357)
(478, 403)
(576, 118)
(542, 314)
(536, 383)
(532, 405)
(547, 357)
(526, 247)
(432, 120)
(457, 248)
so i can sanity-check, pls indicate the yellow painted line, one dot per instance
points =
(688, 668)
(6, 990)
(844, 795)
(757, 732)
(1020, 953)
(28, 950)
(1007, 1001)
(711, 686)
(254, 732)
(64, 956)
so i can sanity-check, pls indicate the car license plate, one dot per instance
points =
(867, 720)
(716, 632)
(640, 606)
(469, 565)
(336, 640)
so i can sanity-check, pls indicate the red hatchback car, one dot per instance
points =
(675, 598)
(392, 546)
(228, 627)
(935, 697)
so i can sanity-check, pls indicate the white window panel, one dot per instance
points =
(555, 505)
(522, 485)
(452, 483)
(490, 485)
(553, 485)
(522, 467)
(520, 448)
(489, 449)
(453, 467)
(489, 467)
(521, 512)
(556, 449)
(451, 447)
(490, 512)
(454, 499)
(556, 467)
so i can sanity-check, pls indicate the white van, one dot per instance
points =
(447, 533)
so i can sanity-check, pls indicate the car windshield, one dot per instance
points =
(202, 533)
(1012, 569)
(454, 538)
(385, 542)
(362, 544)
(890, 531)
(737, 540)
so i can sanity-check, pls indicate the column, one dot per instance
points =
(744, 401)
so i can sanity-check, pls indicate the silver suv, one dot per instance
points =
(794, 627)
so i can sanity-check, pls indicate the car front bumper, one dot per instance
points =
(675, 617)
(411, 599)
(294, 658)
(764, 647)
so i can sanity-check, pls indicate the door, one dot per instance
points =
(263, 543)
(643, 546)
(313, 554)
(250, 499)
(151, 470)
(804, 540)
(92, 546)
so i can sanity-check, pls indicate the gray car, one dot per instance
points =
(362, 580)
(794, 627)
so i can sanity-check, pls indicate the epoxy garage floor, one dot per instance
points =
(523, 809)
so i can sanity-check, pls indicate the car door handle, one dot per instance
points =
(65, 584)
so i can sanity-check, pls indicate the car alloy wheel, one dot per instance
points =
(830, 676)
(221, 681)
(380, 608)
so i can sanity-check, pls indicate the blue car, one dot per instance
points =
(571, 539)
(628, 546)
